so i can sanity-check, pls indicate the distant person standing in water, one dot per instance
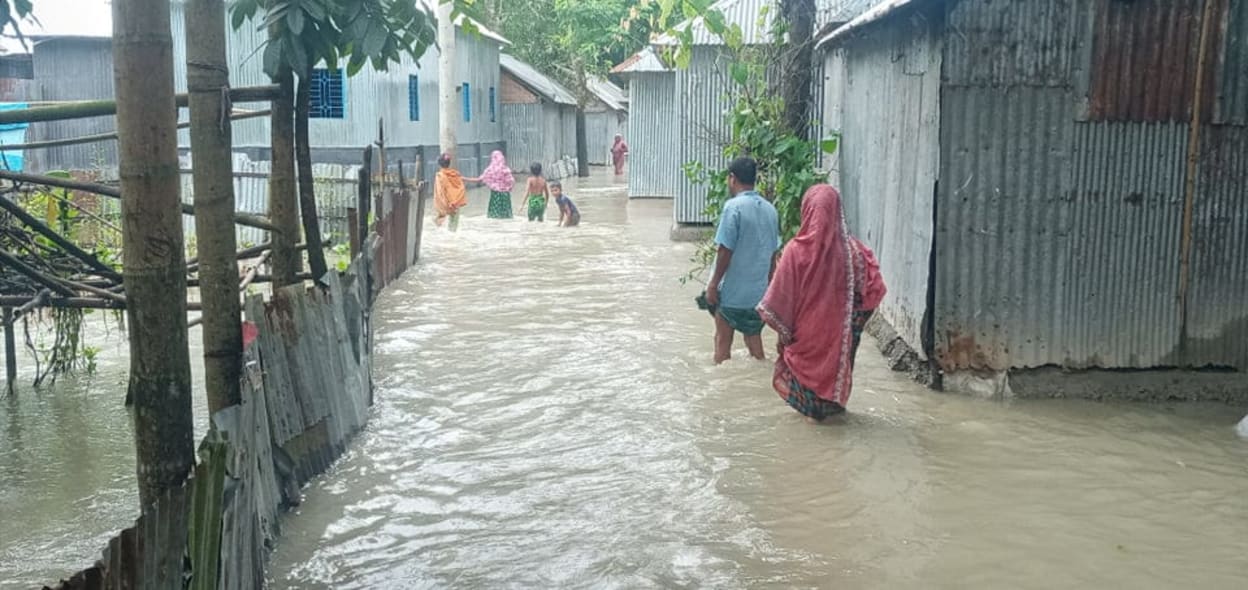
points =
(619, 152)
(569, 215)
(537, 194)
(747, 238)
(825, 288)
(498, 178)
(449, 194)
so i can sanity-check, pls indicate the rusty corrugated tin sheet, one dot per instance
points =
(1144, 60)
(1217, 321)
(1233, 67)
(889, 161)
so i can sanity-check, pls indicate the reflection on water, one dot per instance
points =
(548, 416)
(67, 466)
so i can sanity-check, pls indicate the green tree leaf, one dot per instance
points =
(294, 20)
(830, 144)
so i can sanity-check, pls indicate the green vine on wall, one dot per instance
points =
(787, 164)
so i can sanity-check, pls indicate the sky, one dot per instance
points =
(91, 18)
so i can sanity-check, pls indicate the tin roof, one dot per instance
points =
(749, 16)
(881, 11)
(536, 81)
(611, 95)
(641, 62)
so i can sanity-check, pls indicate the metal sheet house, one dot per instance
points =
(539, 115)
(1051, 183)
(683, 110)
(605, 117)
(651, 133)
(346, 111)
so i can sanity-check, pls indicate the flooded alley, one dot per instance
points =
(547, 416)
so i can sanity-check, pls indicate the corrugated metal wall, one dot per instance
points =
(1217, 321)
(702, 92)
(1233, 67)
(526, 136)
(600, 130)
(890, 100)
(652, 171)
(72, 69)
(1058, 238)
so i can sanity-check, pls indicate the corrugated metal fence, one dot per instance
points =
(336, 191)
(306, 389)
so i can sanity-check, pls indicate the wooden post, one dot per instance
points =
(353, 230)
(420, 210)
(448, 106)
(362, 207)
(10, 351)
(1193, 169)
(207, 81)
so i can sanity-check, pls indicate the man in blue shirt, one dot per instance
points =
(748, 238)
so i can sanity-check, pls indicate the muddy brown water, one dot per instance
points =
(547, 416)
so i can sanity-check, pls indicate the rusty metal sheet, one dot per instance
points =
(1144, 60)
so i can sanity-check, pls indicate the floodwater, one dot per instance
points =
(67, 465)
(548, 417)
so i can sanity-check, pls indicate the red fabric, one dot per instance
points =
(871, 283)
(250, 333)
(810, 302)
(617, 154)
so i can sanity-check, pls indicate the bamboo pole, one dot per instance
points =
(112, 192)
(56, 238)
(1193, 169)
(10, 351)
(51, 143)
(37, 301)
(103, 108)
(31, 273)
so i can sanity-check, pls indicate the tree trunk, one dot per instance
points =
(207, 76)
(798, 65)
(154, 257)
(448, 107)
(307, 187)
(283, 202)
(582, 145)
(583, 96)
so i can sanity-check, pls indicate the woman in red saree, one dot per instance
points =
(618, 152)
(825, 288)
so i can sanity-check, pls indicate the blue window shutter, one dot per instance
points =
(327, 95)
(467, 92)
(493, 108)
(413, 98)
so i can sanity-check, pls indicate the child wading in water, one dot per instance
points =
(569, 215)
(538, 194)
(449, 194)
(498, 177)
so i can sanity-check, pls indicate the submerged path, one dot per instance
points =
(547, 416)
